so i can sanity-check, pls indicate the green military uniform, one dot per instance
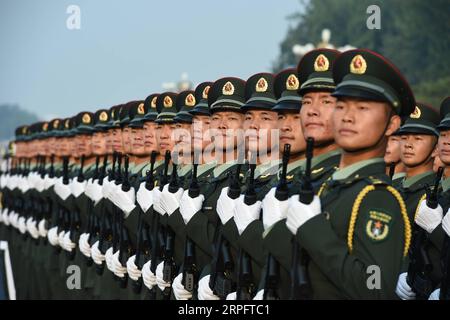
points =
(312, 76)
(226, 94)
(356, 229)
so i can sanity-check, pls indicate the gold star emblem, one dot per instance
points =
(167, 102)
(153, 103)
(103, 116)
(358, 65)
(205, 92)
(261, 85)
(292, 82)
(86, 118)
(190, 100)
(321, 63)
(416, 113)
(140, 109)
(228, 89)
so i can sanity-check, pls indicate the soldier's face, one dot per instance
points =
(164, 136)
(117, 140)
(416, 149)
(444, 147)
(183, 139)
(291, 132)
(226, 130)
(316, 112)
(63, 146)
(437, 163)
(150, 142)
(99, 143)
(84, 145)
(200, 132)
(259, 126)
(359, 124)
(51, 146)
(73, 147)
(137, 138)
(109, 141)
(392, 154)
(126, 139)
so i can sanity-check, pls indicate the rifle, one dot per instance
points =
(169, 267)
(142, 239)
(420, 267)
(124, 239)
(190, 272)
(300, 286)
(245, 284)
(392, 166)
(158, 241)
(222, 263)
(51, 173)
(105, 227)
(91, 216)
(272, 275)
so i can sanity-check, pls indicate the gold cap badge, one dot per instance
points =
(190, 100)
(67, 123)
(205, 92)
(228, 89)
(140, 109)
(358, 65)
(86, 118)
(261, 85)
(167, 102)
(416, 113)
(292, 82)
(45, 126)
(103, 116)
(153, 103)
(321, 63)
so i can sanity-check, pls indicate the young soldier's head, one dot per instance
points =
(64, 140)
(392, 154)
(166, 106)
(372, 95)
(84, 130)
(317, 84)
(137, 112)
(419, 137)
(182, 135)
(149, 124)
(225, 99)
(54, 127)
(444, 133)
(126, 130)
(288, 109)
(260, 121)
(201, 137)
(114, 142)
(99, 136)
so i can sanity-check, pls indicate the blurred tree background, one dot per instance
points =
(414, 34)
(12, 117)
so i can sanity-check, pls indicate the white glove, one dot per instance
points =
(144, 197)
(52, 236)
(13, 218)
(112, 190)
(204, 291)
(61, 238)
(244, 214)
(24, 185)
(77, 188)
(170, 201)
(427, 218)
(22, 225)
(62, 190)
(68, 245)
(446, 223)
(108, 258)
(148, 276)
(42, 230)
(84, 246)
(32, 229)
(124, 200)
(97, 256)
(298, 213)
(435, 294)
(39, 184)
(119, 269)
(5, 217)
(225, 206)
(95, 192)
(274, 210)
(159, 277)
(190, 206)
(106, 188)
(178, 289)
(133, 271)
(259, 295)
(403, 289)
(231, 296)
(157, 201)
(49, 182)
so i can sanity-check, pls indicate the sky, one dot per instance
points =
(126, 50)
